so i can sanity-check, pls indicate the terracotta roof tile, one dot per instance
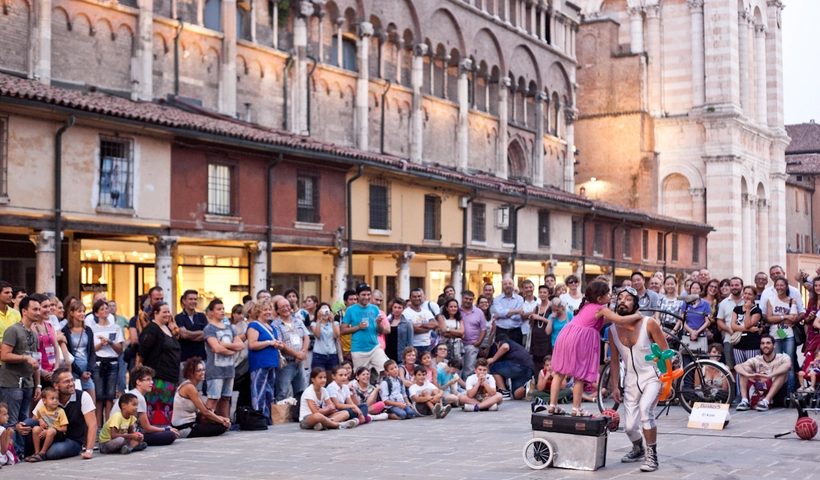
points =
(804, 164)
(805, 138)
(185, 120)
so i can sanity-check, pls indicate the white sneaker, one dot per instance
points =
(318, 427)
(493, 408)
(445, 411)
(437, 410)
(762, 405)
(743, 405)
(349, 423)
(469, 408)
(379, 417)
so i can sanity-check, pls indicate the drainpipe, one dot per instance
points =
(665, 249)
(58, 200)
(623, 222)
(384, 95)
(515, 232)
(288, 64)
(269, 227)
(310, 78)
(350, 228)
(176, 57)
(463, 236)
(582, 280)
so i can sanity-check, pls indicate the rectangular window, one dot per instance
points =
(116, 173)
(627, 243)
(4, 164)
(432, 217)
(307, 197)
(695, 250)
(796, 201)
(674, 247)
(577, 234)
(479, 219)
(219, 189)
(645, 244)
(379, 204)
(598, 239)
(348, 53)
(543, 228)
(213, 15)
(660, 246)
(508, 234)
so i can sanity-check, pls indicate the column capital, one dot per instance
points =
(163, 244)
(541, 97)
(455, 259)
(256, 247)
(743, 16)
(504, 82)
(634, 12)
(760, 30)
(44, 241)
(465, 65)
(750, 199)
(653, 11)
(695, 6)
(697, 193)
(365, 29)
(570, 114)
(305, 9)
(404, 257)
(762, 204)
(420, 49)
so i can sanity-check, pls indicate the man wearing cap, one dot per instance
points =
(361, 323)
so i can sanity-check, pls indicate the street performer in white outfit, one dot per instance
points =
(642, 386)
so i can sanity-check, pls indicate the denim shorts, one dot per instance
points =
(219, 387)
(105, 378)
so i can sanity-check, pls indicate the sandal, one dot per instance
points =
(555, 410)
(580, 412)
(35, 458)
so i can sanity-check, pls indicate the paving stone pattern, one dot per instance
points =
(475, 446)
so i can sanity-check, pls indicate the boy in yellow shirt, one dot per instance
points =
(120, 431)
(53, 422)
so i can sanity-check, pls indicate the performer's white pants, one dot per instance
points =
(640, 407)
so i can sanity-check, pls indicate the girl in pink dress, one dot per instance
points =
(577, 350)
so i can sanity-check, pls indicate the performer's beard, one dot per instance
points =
(622, 310)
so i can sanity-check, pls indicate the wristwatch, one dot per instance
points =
(38, 386)
(83, 450)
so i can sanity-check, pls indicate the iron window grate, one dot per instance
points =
(307, 197)
(479, 218)
(508, 234)
(116, 173)
(379, 204)
(543, 228)
(432, 217)
(219, 189)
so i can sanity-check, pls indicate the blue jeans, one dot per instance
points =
(325, 361)
(291, 375)
(65, 449)
(402, 413)
(105, 378)
(121, 386)
(405, 338)
(352, 413)
(519, 375)
(787, 346)
(19, 401)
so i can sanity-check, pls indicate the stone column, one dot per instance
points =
(538, 145)
(455, 275)
(300, 68)
(569, 167)
(362, 82)
(163, 247)
(762, 236)
(403, 273)
(760, 74)
(743, 51)
(777, 218)
(503, 91)
(723, 198)
(259, 272)
(41, 41)
(339, 274)
(416, 114)
(698, 53)
(746, 251)
(44, 246)
(227, 80)
(698, 204)
(636, 28)
(653, 40)
(463, 149)
(145, 55)
(774, 61)
(506, 267)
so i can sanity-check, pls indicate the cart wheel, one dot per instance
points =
(538, 453)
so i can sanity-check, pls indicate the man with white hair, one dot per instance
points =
(508, 309)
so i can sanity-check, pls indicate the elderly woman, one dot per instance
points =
(191, 418)
(161, 351)
(295, 339)
(263, 356)
(81, 347)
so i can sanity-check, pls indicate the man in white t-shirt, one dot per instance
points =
(481, 391)
(425, 396)
(724, 317)
(422, 319)
(768, 371)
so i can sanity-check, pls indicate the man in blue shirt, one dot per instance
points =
(507, 309)
(191, 326)
(361, 323)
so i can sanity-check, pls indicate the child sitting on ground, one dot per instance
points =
(53, 424)
(449, 380)
(342, 399)
(812, 369)
(394, 393)
(7, 456)
(481, 392)
(316, 411)
(119, 434)
(427, 399)
(545, 378)
(364, 392)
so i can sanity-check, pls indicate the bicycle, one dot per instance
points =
(692, 386)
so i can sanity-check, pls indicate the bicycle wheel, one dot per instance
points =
(605, 400)
(538, 453)
(692, 386)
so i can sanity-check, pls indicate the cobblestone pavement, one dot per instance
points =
(486, 445)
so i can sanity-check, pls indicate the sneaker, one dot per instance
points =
(651, 461)
(635, 455)
(437, 410)
(493, 408)
(445, 411)
(470, 408)
(801, 390)
(529, 388)
(318, 427)
(349, 423)
(379, 417)
(142, 446)
(743, 405)
(505, 394)
(367, 419)
(125, 450)
(762, 405)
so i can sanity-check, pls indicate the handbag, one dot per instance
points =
(249, 419)
(280, 413)
(799, 334)
(735, 338)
